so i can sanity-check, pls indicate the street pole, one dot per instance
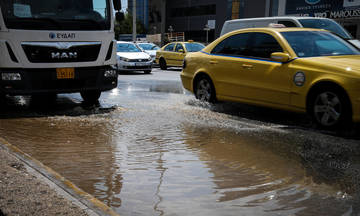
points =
(207, 29)
(134, 21)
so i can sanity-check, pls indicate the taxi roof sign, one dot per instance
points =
(276, 25)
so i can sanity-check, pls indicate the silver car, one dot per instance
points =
(150, 48)
(131, 58)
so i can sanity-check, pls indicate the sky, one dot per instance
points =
(124, 4)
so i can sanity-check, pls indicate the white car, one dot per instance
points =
(131, 58)
(150, 48)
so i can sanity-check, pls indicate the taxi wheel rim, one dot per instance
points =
(204, 90)
(327, 109)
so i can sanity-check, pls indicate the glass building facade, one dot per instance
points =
(142, 11)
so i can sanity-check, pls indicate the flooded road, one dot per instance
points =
(152, 149)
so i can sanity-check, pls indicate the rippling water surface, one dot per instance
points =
(166, 154)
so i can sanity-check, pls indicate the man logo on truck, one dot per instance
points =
(64, 55)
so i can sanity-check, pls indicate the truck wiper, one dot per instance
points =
(90, 21)
(35, 19)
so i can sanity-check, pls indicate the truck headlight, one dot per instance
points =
(110, 73)
(10, 76)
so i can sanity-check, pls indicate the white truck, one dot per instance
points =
(58, 46)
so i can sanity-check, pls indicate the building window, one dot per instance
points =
(274, 7)
(235, 12)
(199, 10)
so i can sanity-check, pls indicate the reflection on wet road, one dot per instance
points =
(151, 149)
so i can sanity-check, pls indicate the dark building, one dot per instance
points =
(192, 16)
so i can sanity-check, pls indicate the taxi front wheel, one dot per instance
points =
(330, 109)
(205, 90)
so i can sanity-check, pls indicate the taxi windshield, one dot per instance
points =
(194, 47)
(148, 46)
(318, 43)
(127, 47)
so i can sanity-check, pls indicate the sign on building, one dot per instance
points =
(324, 8)
(211, 24)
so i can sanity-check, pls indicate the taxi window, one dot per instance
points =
(170, 47)
(236, 45)
(263, 45)
(179, 47)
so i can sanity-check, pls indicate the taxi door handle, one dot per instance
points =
(247, 66)
(213, 62)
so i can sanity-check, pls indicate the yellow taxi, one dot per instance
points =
(295, 69)
(172, 54)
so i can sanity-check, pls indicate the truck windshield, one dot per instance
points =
(56, 14)
(326, 24)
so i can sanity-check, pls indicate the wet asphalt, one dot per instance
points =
(150, 148)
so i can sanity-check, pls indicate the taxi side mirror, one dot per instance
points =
(181, 50)
(280, 57)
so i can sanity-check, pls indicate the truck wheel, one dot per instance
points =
(330, 108)
(162, 64)
(43, 101)
(91, 96)
(2, 99)
(147, 71)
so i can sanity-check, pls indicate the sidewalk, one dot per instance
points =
(27, 187)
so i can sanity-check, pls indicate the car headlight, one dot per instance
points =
(124, 59)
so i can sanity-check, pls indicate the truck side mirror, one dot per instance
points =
(117, 5)
(119, 16)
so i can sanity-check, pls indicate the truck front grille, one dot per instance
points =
(42, 52)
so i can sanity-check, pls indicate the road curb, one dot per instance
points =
(63, 186)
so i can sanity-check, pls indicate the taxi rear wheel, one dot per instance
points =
(162, 63)
(330, 108)
(205, 90)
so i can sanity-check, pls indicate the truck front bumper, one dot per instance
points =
(45, 80)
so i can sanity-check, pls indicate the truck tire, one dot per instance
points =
(90, 96)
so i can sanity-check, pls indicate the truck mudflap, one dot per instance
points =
(57, 80)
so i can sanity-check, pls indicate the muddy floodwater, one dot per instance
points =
(154, 150)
